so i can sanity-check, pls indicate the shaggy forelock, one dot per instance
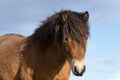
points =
(53, 30)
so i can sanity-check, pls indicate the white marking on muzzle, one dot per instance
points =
(78, 64)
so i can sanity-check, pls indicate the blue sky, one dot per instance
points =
(103, 55)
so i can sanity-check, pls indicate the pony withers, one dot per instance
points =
(55, 48)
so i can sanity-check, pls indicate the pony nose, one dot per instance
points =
(78, 72)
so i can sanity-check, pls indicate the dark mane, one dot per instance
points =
(54, 29)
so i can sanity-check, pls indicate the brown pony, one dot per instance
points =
(57, 46)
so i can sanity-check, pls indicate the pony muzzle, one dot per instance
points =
(78, 67)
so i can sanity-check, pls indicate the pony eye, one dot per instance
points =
(66, 39)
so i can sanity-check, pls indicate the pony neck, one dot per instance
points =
(51, 55)
(40, 58)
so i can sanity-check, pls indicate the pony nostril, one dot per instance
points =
(75, 69)
(76, 72)
(84, 69)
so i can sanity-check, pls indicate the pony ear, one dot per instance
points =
(64, 17)
(86, 16)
